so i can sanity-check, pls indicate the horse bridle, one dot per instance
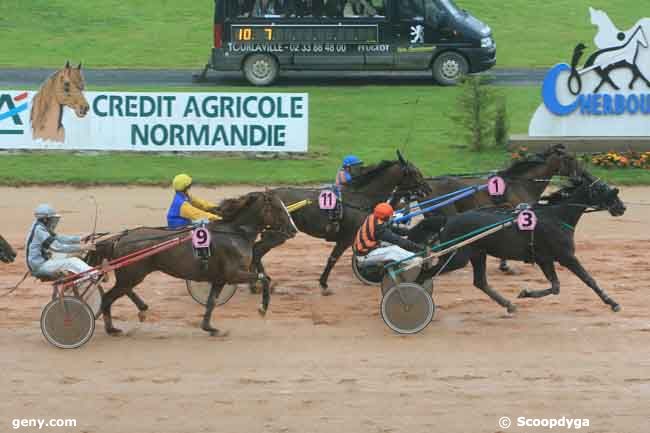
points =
(266, 226)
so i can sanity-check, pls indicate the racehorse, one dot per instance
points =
(552, 239)
(63, 88)
(244, 218)
(526, 180)
(386, 180)
(7, 254)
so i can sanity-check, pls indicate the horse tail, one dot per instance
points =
(575, 76)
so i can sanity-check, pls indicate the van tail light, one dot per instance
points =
(218, 33)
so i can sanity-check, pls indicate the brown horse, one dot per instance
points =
(63, 88)
(7, 254)
(386, 180)
(232, 243)
(526, 180)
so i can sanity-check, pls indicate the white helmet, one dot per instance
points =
(45, 211)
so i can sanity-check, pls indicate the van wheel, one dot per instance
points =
(449, 68)
(261, 69)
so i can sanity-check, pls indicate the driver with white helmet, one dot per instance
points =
(42, 241)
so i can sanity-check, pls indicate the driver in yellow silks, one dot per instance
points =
(186, 208)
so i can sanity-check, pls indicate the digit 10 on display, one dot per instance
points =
(246, 34)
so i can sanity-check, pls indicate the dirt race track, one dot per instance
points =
(329, 364)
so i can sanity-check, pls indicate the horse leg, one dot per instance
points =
(142, 306)
(215, 291)
(636, 75)
(263, 246)
(479, 260)
(107, 301)
(605, 78)
(505, 267)
(549, 272)
(338, 250)
(572, 264)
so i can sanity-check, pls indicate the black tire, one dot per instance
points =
(261, 69)
(449, 68)
(407, 308)
(199, 291)
(67, 327)
(371, 277)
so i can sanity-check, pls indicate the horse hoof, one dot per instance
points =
(219, 333)
(616, 308)
(523, 294)
(261, 310)
(114, 332)
(326, 291)
(209, 329)
(142, 315)
(512, 308)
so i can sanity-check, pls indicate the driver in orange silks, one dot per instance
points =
(186, 208)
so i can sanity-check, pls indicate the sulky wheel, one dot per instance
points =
(407, 308)
(199, 291)
(67, 324)
(408, 276)
(369, 274)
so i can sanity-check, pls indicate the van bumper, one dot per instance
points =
(481, 59)
(222, 60)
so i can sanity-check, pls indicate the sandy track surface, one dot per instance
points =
(317, 364)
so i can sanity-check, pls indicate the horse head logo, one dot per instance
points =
(63, 88)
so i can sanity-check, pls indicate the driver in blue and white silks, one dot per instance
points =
(42, 241)
(351, 163)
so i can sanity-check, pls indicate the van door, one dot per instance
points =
(416, 33)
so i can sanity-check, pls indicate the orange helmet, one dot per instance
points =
(383, 211)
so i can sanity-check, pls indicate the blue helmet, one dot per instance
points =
(351, 160)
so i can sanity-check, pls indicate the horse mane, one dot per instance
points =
(41, 101)
(371, 172)
(229, 208)
(521, 166)
(565, 192)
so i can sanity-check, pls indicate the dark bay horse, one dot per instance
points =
(377, 183)
(7, 254)
(551, 241)
(526, 180)
(232, 243)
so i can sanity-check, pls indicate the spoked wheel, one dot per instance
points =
(408, 276)
(200, 290)
(67, 324)
(407, 308)
(369, 274)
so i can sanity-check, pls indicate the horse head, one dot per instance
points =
(273, 214)
(7, 254)
(589, 191)
(69, 87)
(412, 182)
(602, 196)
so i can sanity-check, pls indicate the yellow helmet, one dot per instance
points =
(181, 182)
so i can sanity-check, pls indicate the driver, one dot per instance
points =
(350, 163)
(370, 243)
(186, 208)
(42, 241)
